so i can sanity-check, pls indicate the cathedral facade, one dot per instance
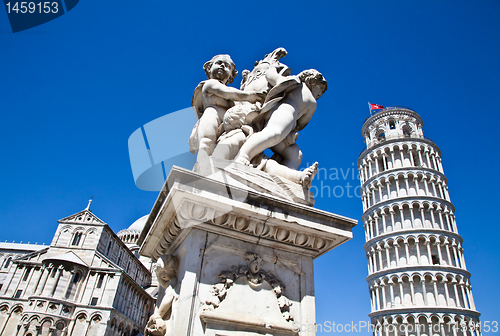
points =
(87, 282)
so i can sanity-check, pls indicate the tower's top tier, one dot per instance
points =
(392, 123)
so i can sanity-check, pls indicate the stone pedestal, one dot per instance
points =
(245, 258)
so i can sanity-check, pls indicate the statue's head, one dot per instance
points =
(314, 81)
(222, 68)
(166, 269)
(254, 262)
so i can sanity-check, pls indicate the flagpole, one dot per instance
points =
(370, 107)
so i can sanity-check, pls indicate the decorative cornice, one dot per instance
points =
(263, 218)
(206, 215)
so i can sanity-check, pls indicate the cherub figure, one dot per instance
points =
(166, 273)
(289, 107)
(236, 132)
(211, 100)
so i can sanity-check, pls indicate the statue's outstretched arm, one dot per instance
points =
(218, 89)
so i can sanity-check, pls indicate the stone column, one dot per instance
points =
(429, 253)
(417, 247)
(401, 292)
(391, 291)
(383, 222)
(457, 297)
(393, 222)
(384, 300)
(396, 250)
(433, 220)
(412, 216)
(419, 151)
(407, 253)
(471, 299)
(440, 255)
(410, 153)
(412, 291)
(446, 291)
(402, 217)
(436, 293)
(424, 292)
(466, 303)
(426, 187)
(387, 255)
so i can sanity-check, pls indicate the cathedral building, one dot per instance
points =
(87, 282)
(417, 277)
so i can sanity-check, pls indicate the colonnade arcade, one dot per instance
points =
(421, 289)
(426, 324)
(413, 182)
(405, 215)
(417, 153)
(424, 249)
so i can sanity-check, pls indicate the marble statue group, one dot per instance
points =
(267, 112)
(204, 286)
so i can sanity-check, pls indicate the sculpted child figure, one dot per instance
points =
(290, 114)
(235, 135)
(211, 100)
(159, 323)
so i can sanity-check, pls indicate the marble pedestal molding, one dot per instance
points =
(212, 227)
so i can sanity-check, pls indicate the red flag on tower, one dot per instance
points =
(375, 106)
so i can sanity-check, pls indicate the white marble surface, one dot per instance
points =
(212, 232)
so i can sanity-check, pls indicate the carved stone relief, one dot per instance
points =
(256, 279)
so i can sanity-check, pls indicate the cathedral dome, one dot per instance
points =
(138, 225)
(131, 235)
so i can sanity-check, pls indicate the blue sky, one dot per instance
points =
(74, 89)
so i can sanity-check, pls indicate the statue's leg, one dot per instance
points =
(207, 130)
(279, 125)
(292, 155)
(303, 177)
(228, 148)
(207, 133)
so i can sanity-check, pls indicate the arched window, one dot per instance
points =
(76, 277)
(109, 248)
(73, 286)
(392, 124)
(407, 130)
(380, 135)
(7, 263)
(100, 280)
(27, 274)
(76, 239)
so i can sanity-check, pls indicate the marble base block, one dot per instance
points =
(245, 257)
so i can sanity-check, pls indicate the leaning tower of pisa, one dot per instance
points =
(418, 282)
